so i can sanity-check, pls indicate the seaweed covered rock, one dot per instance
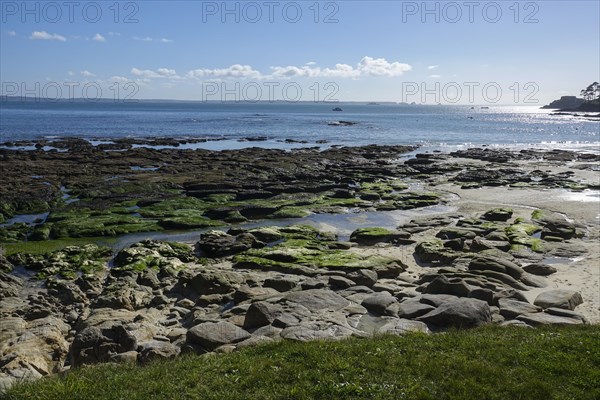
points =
(66, 263)
(307, 251)
(163, 256)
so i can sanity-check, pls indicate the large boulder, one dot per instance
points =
(5, 265)
(32, 349)
(157, 349)
(559, 298)
(221, 244)
(379, 303)
(498, 214)
(210, 335)
(491, 263)
(433, 251)
(124, 295)
(94, 344)
(10, 285)
(363, 277)
(459, 313)
(444, 285)
(215, 282)
(281, 283)
(371, 236)
(261, 313)
(539, 269)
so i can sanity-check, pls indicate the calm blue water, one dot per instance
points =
(382, 124)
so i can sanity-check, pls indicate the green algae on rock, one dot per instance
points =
(67, 263)
(306, 250)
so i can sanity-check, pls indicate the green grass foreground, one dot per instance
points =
(486, 363)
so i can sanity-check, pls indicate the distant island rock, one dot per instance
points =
(337, 109)
(341, 123)
(565, 102)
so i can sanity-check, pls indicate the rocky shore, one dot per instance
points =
(514, 244)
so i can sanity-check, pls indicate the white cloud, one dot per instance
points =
(166, 72)
(292, 72)
(341, 71)
(99, 38)
(146, 73)
(87, 74)
(70, 73)
(381, 67)
(114, 34)
(159, 73)
(435, 76)
(11, 33)
(120, 79)
(150, 39)
(234, 71)
(433, 67)
(366, 66)
(43, 35)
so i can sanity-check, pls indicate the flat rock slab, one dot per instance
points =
(413, 309)
(537, 319)
(566, 313)
(560, 298)
(489, 263)
(307, 333)
(403, 326)
(317, 299)
(436, 300)
(511, 308)
(210, 335)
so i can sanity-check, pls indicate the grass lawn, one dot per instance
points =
(485, 363)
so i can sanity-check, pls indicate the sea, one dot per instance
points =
(229, 125)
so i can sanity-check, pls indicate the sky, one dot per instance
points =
(464, 52)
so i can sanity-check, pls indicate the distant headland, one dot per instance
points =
(590, 101)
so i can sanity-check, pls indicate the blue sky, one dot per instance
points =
(348, 50)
